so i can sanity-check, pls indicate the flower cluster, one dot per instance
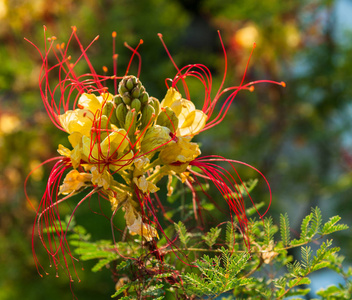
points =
(123, 143)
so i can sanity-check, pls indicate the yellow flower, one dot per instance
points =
(191, 120)
(111, 150)
(81, 119)
(74, 182)
(177, 154)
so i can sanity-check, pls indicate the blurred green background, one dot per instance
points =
(300, 137)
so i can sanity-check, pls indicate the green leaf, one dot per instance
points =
(211, 237)
(182, 232)
(305, 226)
(330, 227)
(102, 263)
(316, 222)
(298, 281)
(306, 253)
(285, 229)
(269, 231)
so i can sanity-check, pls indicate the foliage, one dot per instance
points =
(264, 270)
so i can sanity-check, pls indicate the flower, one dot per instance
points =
(125, 141)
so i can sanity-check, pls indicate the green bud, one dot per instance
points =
(121, 111)
(126, 98)
(118, 99)
(155, 137)
(168, 119)
(129, 83)
(144, 97)
(156, 104)
(147, 113)
(135, 92)
(108, 110)
(122, 88)
(130, 123)
(136, 104)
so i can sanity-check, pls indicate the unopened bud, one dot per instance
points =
(126, 98)
(122, 88)
(155, 137)
(108, 110)
(135, 92)
(156, 104)
(147, 113)
(121, 111)
(144, 98)
(118, 99)
(168, 119)
(130, 123)
(129, 84)
(136, 104)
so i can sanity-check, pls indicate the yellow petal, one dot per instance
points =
(144, 185)
(135, 224)
(171, 96)
(101, 178)
(76, 155)
(181, 151)
(64, 151)
(74, 182)
(123, 162)
(89, 102)
(115, 141)
(193, 123)
(75, 139)
(79, 120)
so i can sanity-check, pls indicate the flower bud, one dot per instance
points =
(118, 99)
(130, 83)
(121, 111)
(136, 104)
(122, 88)
(108, 110)
(130, 123)
(144, 98)
(135, 92)
(168, 118)
(154, 138)
(126, 98)
(147, 113)
(156, 104)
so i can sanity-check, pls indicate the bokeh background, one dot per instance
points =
(300, 137)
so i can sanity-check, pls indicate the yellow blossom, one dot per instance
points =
(112, 149)
(182, 152)
(74, 182)
(191, 120)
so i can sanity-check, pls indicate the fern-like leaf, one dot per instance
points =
(285, 229)
(211, 237)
